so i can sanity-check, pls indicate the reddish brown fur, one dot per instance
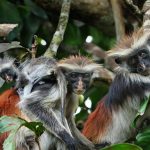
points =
(127, 41)
(8, 101)
(77, 60)
(95, 127)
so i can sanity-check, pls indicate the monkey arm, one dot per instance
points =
(126, 85)
(49, 118)
(84, 143)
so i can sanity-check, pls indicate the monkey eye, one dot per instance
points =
(143, 54)
(73, 75)
(118, 60)
(87, 75)
(41, 82)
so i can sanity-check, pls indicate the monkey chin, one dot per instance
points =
(79, 92)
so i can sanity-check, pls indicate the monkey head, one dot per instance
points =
(39, 73)
(79, 72)
(132, 54)
(8, 69)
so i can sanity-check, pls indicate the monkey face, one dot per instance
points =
(8, 74)
(44, 83)
(78, 81)
(136, 63)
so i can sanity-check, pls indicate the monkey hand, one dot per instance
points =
(69, 141)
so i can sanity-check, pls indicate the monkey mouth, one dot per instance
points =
(79, 92)
(8, 78)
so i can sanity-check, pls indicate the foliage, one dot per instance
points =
(12, 125)
(142, 110)
(34, 20)
(143, 139)
(124, 146)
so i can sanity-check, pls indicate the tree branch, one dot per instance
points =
(6, 46)
(119, 19)
(6, 28)
(59, 34)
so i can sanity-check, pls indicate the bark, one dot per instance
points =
(59, 33)
(93, 12)
(96, 12)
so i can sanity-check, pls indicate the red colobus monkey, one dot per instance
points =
(41, 97)
(111, 121)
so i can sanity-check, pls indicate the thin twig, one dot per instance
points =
(34, 47)
(137, 10)
(59, 34)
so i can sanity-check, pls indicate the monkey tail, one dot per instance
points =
(96, 125)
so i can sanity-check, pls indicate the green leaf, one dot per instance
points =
(36, 10)
(36, 127)
(9, 12)
(11, 124)
(143, 136)
(9, 143)
(39, 41)
(7, 128)
(97, 36)
(143, 139)
(6, 120)
(29, 29)
(72, 35)
(124, 146)
(141, 110)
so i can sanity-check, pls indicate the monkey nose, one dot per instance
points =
(141, 68)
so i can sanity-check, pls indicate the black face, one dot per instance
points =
(78, 81)
(137, 63)
(8, 74)
(45, 83)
